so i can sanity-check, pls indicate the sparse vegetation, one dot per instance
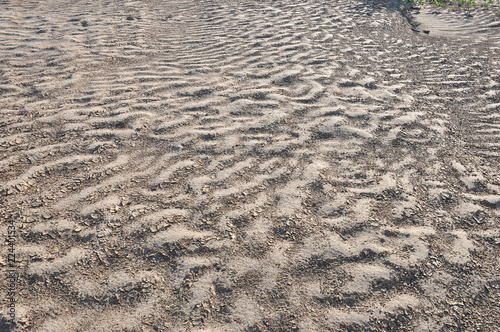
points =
(452, 4)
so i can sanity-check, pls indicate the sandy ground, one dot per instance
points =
(249, 166)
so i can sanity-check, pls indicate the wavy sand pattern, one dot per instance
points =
(249, 166)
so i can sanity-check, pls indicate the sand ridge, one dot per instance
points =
(248, 166)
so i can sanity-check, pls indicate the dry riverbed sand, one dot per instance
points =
(249, 166)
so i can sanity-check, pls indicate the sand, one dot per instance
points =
(249, 166)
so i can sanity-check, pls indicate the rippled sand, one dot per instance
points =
(249, 166)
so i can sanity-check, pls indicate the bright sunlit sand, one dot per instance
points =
(248, 166)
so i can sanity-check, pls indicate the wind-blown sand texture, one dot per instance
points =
(249, 166)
